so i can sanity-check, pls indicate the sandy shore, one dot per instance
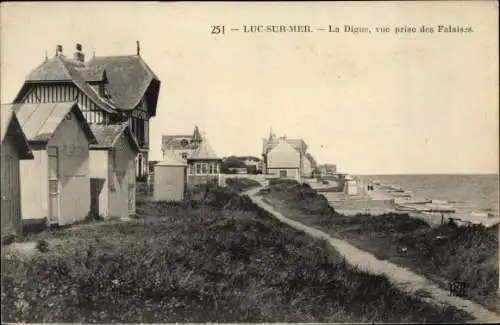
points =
(378, 202)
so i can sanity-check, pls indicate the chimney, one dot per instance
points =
(138, 48)
(59, 50)
(79, 55)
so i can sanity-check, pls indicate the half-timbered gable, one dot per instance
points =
(109, 90)
(54, 93)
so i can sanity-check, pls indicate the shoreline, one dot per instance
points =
(390, 198)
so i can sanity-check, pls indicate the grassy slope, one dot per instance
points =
(463, 254)
(195, 262)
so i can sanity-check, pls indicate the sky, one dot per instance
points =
(379, 103)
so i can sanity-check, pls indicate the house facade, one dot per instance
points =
(14, 147)
(108, 90)
(284, 161)
(181, 145)
(204, 166)
(299, 160)
(112, 171)
(55, 184)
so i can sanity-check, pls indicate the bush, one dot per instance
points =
(241, 184)
(42, 246)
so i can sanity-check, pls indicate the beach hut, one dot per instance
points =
(14, 147)
(55, 184)
(351, 186)
(170, 178)
(204, 166)
(112, 171)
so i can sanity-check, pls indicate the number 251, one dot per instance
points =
(217, 29)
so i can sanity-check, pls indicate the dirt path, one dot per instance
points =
(403, 278)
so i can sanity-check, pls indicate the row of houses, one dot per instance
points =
(282, 157)
(194, 151)
(75, 138)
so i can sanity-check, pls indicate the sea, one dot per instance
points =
(468, 194)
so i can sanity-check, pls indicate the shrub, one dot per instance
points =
(42, 246)
(241, 184)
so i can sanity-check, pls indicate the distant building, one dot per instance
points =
(204, 165)
(14, 147)
(251, 161)
(327, 169)
(299, 160)
(241, 165)
(182, 145)
(56, 183)
(112, 171)
(108, 89)
(284, 161)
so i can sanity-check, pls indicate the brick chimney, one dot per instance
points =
(59, 50)
(79, 55)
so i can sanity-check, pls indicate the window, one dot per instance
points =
(204, 168)
(283, 173)
(53, 153)
(184, 155)
(146, 133)
(211, 169)
(112, 159)
(198, 168)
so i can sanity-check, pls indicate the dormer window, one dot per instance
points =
(103, 91)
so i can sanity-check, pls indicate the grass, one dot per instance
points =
(444, 254)
(222, 259)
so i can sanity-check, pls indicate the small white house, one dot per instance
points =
(14, 147)
(112, 171)
(170, 178)
(56, 184)
(284, 161)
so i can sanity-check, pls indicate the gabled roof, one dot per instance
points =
(297, 144)
(283, 151)
(130, 79)
(50, 70)
(41, 120)
(170, 159)
(10, 125)
(108, 135)
(62, 69)
(176, 142)
(204, 152)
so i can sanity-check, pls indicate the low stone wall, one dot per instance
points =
(261, 178)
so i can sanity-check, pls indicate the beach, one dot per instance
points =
(467, 199)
